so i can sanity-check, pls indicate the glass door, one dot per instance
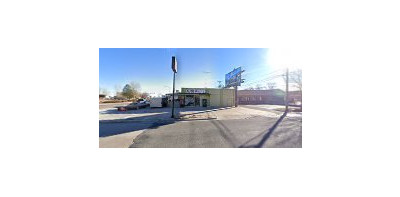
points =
(189, 100)
(197, 100)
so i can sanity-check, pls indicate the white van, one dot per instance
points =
(156, 102)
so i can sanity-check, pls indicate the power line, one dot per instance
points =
(263, 80)
(265, 76)
(261, 69)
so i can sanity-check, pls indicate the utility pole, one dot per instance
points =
(287, 90)
(174, 69)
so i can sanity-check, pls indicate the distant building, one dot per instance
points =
(102, 96)
(295, 97)
(253, 97)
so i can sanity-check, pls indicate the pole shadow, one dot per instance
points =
(226, 133)
(126, 125)
(266, 134)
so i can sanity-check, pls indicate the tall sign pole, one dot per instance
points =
(236, 96)
(234, 79)
(239, 81)
(236, 85)
(174, 66)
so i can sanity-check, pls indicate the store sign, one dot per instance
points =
(196, 91)
(174, 64)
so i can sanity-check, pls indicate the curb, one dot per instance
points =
(126, 121)
(197, 119)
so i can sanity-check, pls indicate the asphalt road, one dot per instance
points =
(245, 133)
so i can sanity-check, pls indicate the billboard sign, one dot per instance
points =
(233, 78)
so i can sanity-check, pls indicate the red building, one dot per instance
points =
(295, 97)
(254, 97)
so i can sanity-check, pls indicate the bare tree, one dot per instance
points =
(144, 95)
(136, 89)
(117, 89)
(136, 86)
(271, 85)
(296, 78)
(220, 86)
(103, 91)
(258, 87)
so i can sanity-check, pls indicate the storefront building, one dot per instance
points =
(204, 97)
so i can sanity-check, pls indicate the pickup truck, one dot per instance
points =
(141, 101)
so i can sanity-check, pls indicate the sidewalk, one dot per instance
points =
(198, 114)
(155, 114)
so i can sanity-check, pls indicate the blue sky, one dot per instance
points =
(197, 67)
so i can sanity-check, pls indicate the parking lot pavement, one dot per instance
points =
(244, 113)
(227, 113)
(256, 132)
(267, 108)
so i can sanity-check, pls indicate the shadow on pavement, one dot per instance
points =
(208, 109)
(138, 111)
(196, 110)
(164, 111)
(265, 134)
(120, 126)
(226, 133)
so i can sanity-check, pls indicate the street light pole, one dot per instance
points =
(173, 98)
(174, 67)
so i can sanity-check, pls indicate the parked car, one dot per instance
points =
(134, 105)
